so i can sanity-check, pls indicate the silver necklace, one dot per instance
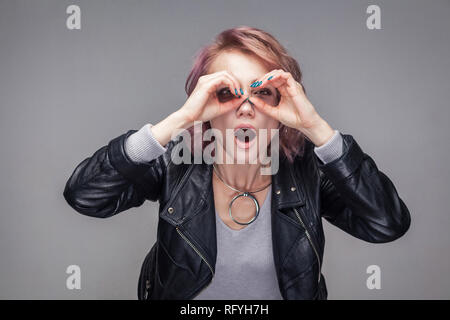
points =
(241, 194)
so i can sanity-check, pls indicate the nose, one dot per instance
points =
(246, 109)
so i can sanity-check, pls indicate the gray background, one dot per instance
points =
(65, 93)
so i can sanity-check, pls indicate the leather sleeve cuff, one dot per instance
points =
(347, 163)
(120, 160)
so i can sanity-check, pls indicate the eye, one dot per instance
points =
(265, 92)
(224, 92)
(224, 95)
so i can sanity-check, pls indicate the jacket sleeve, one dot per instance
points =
(359, 199)
(110, 182)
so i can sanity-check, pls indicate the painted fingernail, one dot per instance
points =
(270, 77)
(258, 84)
(253, 84)
(242, 92)
(236, 91)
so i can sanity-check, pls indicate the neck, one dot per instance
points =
(244, 177)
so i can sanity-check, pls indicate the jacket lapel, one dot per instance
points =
(194, 210)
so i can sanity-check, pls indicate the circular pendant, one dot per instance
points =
(245, 194)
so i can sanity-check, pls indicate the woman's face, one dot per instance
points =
(246, 69)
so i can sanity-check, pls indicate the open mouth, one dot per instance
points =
(244, 136)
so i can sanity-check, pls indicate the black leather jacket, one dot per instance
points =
(350, 192)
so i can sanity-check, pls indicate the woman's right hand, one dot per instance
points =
(214, 95)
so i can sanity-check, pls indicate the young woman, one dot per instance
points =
(226, 230)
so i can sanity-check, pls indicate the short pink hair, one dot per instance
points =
(263, 45)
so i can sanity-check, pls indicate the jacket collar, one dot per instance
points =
(195, 189)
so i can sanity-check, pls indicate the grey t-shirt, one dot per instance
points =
(245, 267)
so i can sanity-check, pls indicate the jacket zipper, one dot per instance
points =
(198, 252)
(195, 249)
(309, 238)
(147, 286)
(147, 282)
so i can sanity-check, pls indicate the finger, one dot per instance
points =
(285, 83)
(260, 80)
(265, 108)
(238, 90)
(264, 79)
(220, 82)
(228, 106)
(292, 83)
(232, 83)
(274, 80)
(277, 79)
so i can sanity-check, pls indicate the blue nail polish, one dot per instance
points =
(258, 84)
(270, 77)
(236, 91)
(253, 84)
(242, 92)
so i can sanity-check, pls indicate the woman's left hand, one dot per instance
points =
(294, 109)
